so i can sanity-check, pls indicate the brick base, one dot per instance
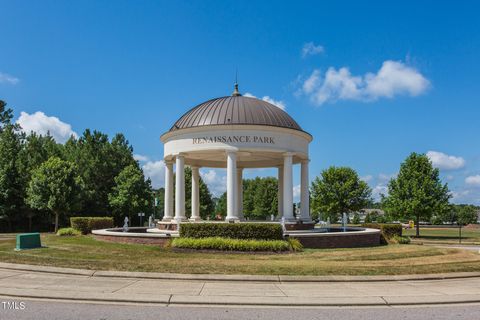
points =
(339, 241)
(139, 240)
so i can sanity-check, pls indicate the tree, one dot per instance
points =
(265, 198)
(11, 188)
(417, 192)
(338, 190)
(465, 214)
(260, 198)
(356, 218)
(100, 162)
(207, 207)
(54, 186)
(35, 150)
(221, 207)
(6, 115)
(131, 193)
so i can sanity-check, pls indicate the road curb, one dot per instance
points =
(253, 278)
(180, 300)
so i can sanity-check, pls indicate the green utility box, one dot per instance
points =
(28, 241)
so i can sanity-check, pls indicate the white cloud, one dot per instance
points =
(6, 78)
(444, 161)
(383, 177)
(296, 192)
(277, 103)
(42, 124)
(140, 157)
(367, 178)
(155, 170)
(217, 183)
(466, 196)
(378, 190)
(393, 78)
(473, 180)
(311, 49)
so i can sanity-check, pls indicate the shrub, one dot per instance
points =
(100, 223)
(258, 231)
(87, 224)
(227, 244)
(400, 240)
(68, 232)
(295, 244)
(388, 230)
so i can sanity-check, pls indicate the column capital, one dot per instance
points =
(179, 155)
(305, 161)
(169, 162)
(288, 154)
(231, 151)
(195, 168)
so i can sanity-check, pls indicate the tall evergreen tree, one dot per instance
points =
(99, 162)
(35, 150)
(11, 189)
(131, 193)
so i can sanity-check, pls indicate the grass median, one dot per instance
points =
(450, 235)
(87, 253)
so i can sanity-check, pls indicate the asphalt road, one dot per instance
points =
(51, 310)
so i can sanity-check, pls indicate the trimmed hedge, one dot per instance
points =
(227, 244)
(68, 232)
(257, 231)
(388, 230)
(87, 224)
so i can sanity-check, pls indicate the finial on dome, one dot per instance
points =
(236, 93)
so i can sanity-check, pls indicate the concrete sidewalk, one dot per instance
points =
(71, 284)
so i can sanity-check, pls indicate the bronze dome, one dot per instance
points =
(235, 110)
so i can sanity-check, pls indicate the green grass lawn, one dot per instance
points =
(88, 253)
(445, 235)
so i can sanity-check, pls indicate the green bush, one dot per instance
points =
(295, 244)
(258, 231)
(86, 224)
(68, 232)
(400, 240)
(227, 244)
(388, 230)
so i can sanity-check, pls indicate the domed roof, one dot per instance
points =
(235, 110)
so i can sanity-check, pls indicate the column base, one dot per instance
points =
(197, 219)
(232, 219)
(167, 219)
(178, 220)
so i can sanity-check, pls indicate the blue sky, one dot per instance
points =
(371, 82)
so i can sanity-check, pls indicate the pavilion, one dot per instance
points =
(235, 132)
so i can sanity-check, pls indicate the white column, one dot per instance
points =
(168, 212)
(180, 188)
(304, 192)
(231, 185)
(195, 195)
(280, 192)
(240, 193)
(288, 187)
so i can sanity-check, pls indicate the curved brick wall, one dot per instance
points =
(140, 240)
(340, 240)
